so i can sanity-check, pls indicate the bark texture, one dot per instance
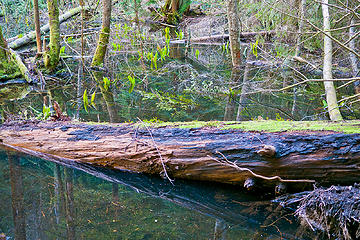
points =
(297, 159)
(234, 32)
(52, 55)
(37, 26)
(353, 58)
(330, 92)
(299, 44)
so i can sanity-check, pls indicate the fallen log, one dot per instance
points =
(23, 69)
(29, 37)
(293, 159)
(244, 36)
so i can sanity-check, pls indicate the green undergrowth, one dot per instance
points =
(352, 126)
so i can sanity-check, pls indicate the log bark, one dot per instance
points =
(37, 26)
(226, 156)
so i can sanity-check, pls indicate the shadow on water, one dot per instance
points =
(79, 201)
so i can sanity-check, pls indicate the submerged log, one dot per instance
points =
(232, 156)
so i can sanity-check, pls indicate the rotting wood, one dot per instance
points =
(196, 153)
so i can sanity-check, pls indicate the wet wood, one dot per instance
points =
(227, 156)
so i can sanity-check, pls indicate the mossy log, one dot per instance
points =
(9, 58)
(22, 67)
(29, 37)
(297, 159)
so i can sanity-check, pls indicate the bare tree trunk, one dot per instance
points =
(37, 26)
(353, 59)
(330, 92)
(244, 89)
(174, 6)
(52, 55)
(138, 37)
(104, 35)
(230, 107)
(234, 37)
(234, 32)
(79, 91)
(302, 5)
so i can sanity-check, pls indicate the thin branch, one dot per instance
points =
(158, 151)
(226, 162)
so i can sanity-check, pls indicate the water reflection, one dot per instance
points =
(73, 201)
(185, 87)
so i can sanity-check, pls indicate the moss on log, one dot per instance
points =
(210, 154)
(11, 65)
(29, 37)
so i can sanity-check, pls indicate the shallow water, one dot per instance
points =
(46, 200)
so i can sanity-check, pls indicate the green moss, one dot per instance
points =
(279, 126)
(9, 70)
(348, 127)
(101, 47)
(52, 56)
(272, 126)
(14, 91)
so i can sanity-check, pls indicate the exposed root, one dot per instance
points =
(335, 211)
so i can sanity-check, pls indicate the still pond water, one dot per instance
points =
(47, 200)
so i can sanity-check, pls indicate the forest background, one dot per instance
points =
(181, 60)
